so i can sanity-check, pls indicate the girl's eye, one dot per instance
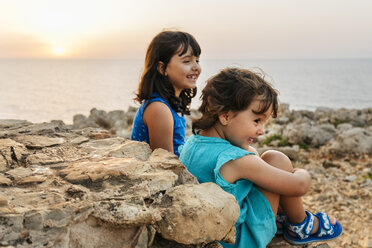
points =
(257, 120)
(197, 61)
(186, 61)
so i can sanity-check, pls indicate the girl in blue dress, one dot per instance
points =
(236, 103)
(167, 86)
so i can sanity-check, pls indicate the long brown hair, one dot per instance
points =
(234, 89)
(161, 49)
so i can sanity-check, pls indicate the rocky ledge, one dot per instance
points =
(86, 188)
(87, 185)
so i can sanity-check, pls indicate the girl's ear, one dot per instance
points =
(224, 118)
(161, 68)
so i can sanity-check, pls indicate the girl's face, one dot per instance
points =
(183, 71)
(243, 127)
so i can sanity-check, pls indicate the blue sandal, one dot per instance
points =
(303, 230)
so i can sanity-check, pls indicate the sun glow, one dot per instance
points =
(59, 51)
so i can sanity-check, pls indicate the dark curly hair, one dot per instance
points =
(161, 49)
(234, 89)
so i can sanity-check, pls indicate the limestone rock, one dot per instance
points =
(81, 121)
(5, 181)
(33, 129)
(163, 159)
(125, 213)
(37, 141)
(201, 211)
(12, 154)
(356, 140)
(306, 133)
(117, 122)
(101, 147)
(139, 150)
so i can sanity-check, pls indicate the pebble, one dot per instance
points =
(350, 178)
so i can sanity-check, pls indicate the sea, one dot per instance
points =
(45, 90)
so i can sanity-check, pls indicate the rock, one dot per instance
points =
(306, 133)
(352, 116)
(34, 129)
(42, 158)
(125, 213)
(117, 122)
(356, 140)
(163, 159)
(32, 179)
(367, 242)
(12, 154)
(201, 211)
(3, 201)
(5, 181)
(138, 150)
(350, 178)
(19, 173)
(81, 121)
(84, 234)
(100, 135)
(7, 123)
(92, 200)
(329, 164)
(37, 141)
(101, 147)
(344, 127)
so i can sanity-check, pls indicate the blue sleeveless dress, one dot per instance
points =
(203, 157)
(140, 131)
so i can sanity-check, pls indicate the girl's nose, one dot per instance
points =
(196, 67)
(260, 130)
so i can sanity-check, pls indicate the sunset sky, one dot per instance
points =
(225, 29)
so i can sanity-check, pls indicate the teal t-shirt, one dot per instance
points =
(203, 157)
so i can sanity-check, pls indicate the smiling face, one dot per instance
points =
(243, 127)
(183, 71)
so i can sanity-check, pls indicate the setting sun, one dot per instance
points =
(59, 51)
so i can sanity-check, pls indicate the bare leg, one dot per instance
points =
(291, 206)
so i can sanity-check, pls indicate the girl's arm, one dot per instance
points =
(159, 120)
(256, 170)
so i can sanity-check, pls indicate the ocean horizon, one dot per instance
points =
(40, 90)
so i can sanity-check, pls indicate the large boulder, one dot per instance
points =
(306, 133)
(355, 141)
(63, 187)
(196, 214)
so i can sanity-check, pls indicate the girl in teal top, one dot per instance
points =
(236, 103)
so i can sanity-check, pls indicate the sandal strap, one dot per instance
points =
(303, 230)
(325, 226)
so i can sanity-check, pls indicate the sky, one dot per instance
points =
(225, 29)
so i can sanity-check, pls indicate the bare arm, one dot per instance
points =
(159, 120)
(254, 169)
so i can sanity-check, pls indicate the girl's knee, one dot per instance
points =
(278, 160)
